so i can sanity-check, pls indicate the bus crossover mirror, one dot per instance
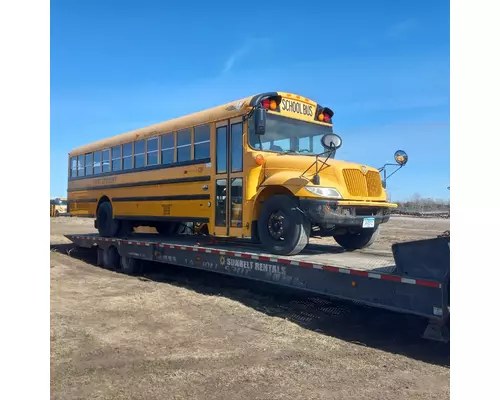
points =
(401, 157)
(260, 121)
(331, 141)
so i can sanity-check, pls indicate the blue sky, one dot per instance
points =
(381, 65)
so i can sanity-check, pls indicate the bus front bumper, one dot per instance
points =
(331, 213)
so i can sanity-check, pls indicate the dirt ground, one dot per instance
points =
(176, 333)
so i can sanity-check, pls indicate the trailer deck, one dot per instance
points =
(414, 279)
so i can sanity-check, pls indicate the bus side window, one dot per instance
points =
(167, 148)
(88, 164)
(81, 165)
(127, 156)
(116, 162)
(105, 161)
(97, 162)
(202, 142)
(73, 167)
(184, 145)
(152, 151)
(139, 154)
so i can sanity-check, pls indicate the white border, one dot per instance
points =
(25, 128)
(475, 182)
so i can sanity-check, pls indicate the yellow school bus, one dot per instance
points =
(58, 206)
(262, 168)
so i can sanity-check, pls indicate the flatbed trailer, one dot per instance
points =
(414, 279)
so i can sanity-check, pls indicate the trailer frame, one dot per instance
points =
(417, 283)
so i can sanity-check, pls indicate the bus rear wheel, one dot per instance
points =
(106, 224)
(167, 228)
(282, 227)
(359, 239)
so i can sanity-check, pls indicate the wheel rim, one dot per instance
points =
(276, 225)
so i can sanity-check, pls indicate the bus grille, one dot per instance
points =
(361, 185)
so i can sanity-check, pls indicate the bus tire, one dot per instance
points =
(106, 224)
(110, 258)
(167, 228)
(283, 229)
(130, 266)
(358, 240)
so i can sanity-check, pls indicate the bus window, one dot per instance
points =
(184, 145)
(202, 142)
(105, 161)
(237, 147)
(220, 202)
(73, 167)
(88, 164)
(152, 151)
(167, 148)
(81, 165)
(127, 156)
(97, 162)
(221, 156)
(236, 202)
(116, 158)
(139, 154)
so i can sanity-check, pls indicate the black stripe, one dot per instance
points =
(148, 168)
(159, 198)
(160, 219)
(145, 183)
(83, 201)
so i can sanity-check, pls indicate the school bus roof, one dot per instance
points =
(229, 110)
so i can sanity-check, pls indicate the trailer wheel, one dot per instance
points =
(282, 227)
(130, 265)
(358, 240)
(100, 257)
(111, 258)
(106, 224)
(167, 228)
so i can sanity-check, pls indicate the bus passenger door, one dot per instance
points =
(228, 204)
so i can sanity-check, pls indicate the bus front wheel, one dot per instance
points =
(106, 224)
(282, 227)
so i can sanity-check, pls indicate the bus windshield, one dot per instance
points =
(287, 135)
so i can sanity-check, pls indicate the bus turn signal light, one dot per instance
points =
(259, 159)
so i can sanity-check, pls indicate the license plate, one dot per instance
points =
(368, 222)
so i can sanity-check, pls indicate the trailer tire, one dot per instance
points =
(282, 227)
(106, 224)
(100, 257)
(358, 240)
(130, 266)
(111, 258)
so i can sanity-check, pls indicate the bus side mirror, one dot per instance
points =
(260, 121)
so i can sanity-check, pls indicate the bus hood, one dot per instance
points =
(352, 180)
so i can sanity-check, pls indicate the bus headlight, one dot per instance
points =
(324, 192)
